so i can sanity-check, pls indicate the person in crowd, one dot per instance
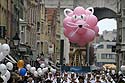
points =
(97, 79)
(73, 79)
(120, 80)
(81, 79)
(103, 79)
(115, 77)
(110, 80)
(50, 76)
(65, 78)
(30, 80)
(48, 81)
(93, 76)
(88, 78)
(77, 76)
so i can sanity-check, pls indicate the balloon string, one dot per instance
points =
(9, 60)
(12, 59)
(74, 32)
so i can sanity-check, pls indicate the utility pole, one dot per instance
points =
(119, 36)
(123, 29)
(61, 41)
(120, 44)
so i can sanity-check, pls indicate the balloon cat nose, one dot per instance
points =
(80, 26)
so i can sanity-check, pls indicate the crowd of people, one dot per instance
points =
(42, 72)
(68, 77)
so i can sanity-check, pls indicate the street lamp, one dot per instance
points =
(16, 39)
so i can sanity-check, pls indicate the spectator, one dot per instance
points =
(48, 81)
(120, 80)
(81, 79)
(30, 80)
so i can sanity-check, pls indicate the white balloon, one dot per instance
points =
(35, 73)
(39, 69)
(28, 66)
(2, 56)
(9, 66)
(5, 49)
(40, 73)
(45, 69)
(42, 65)
(0, 48)
(7, 75)
(122, 68)
(4, 78)
(32, 69)
(3, 69)
(53, 70)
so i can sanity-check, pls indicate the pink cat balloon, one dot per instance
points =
(80, 25)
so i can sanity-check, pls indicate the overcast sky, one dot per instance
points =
(107, 24)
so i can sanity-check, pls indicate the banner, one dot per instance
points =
(76, 69)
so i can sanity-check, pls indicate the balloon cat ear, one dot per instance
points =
(67, 11)
(90, 9)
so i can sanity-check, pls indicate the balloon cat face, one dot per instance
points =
(80, 25)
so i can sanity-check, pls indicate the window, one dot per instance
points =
(42, 27)
(111, 56)
(97, 56)
(100, 46)
(109, 46)
(123, 13)
(22, 34)
(23, 28)
(107, 56)
(2, 31)
(103, 56)
(38, 26)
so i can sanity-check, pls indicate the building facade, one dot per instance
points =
(120, 45)
(29, 30)
(6, 20)
(104, 54)
(110, 35)
(103, 49)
